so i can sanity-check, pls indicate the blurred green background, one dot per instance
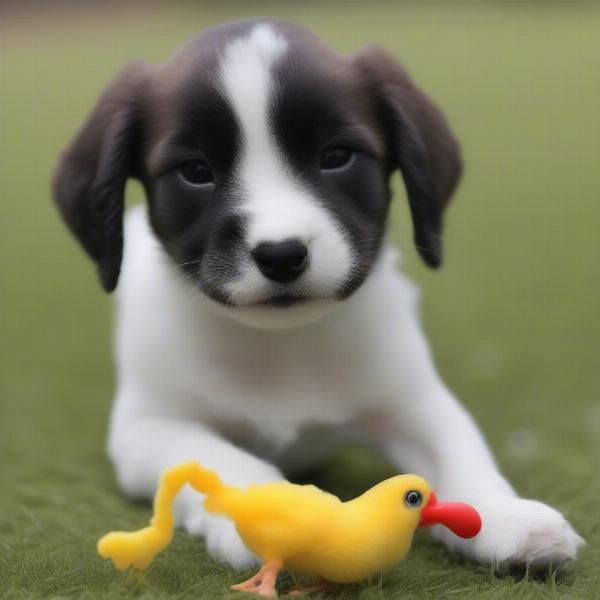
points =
(513, 315)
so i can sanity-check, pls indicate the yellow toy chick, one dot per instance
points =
(300, 527)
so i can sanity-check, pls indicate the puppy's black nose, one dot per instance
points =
(281, 261)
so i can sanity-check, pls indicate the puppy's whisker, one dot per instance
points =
(191, 262)
(182, 276)
(369, 240)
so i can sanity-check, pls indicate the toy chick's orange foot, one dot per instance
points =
(263, 583)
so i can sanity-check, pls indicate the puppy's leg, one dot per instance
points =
(432, 435)
(142, 447)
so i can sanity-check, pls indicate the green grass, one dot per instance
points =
(513, 316)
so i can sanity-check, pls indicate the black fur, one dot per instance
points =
(314, 110)
(200, 225)
(89, 182)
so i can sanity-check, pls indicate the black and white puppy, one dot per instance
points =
(261, 319)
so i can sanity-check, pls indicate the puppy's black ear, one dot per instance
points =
(421, 144)
(89, 181)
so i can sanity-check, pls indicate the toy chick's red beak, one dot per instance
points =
(459, 517)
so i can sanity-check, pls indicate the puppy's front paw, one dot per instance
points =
(518, 532)
(224, 543)
(222, 539)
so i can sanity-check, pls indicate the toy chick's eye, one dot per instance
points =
(413, 499)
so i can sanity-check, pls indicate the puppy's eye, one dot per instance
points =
(335, 158)
(196, 172)
(413, 499)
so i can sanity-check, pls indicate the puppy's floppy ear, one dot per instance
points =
(421, 144)
(89, 181)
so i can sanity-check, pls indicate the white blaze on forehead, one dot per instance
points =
(278, 206)
(246, 73)
(247, 80)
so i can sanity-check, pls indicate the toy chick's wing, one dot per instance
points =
(282, 519)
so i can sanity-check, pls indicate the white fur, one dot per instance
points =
(194, 383)
(278, 206)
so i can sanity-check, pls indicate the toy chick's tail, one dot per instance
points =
(205, 481)
(138, 548)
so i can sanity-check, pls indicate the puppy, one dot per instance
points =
(261, 319)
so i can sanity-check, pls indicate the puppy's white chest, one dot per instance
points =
(262, 389)
(279, 379)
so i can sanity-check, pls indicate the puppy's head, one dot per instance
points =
(265, 157)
